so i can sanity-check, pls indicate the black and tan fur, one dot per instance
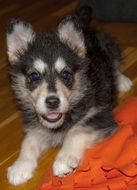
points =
(65, 82)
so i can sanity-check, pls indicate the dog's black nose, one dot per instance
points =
(52, 102)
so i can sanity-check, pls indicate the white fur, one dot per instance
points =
(60, 64)
(35, 142)
(40, 66)
(42, 94)
(18, 40)
(64, 104)
(69, 34)
(21, 171)
(71, 153)
(38, 140)
(123, 83)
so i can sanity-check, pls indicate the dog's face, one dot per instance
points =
(47, 69)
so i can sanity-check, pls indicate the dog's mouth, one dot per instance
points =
(52, 117)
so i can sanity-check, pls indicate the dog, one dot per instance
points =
(65, 83)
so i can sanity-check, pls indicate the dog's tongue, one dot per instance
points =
(53, 116)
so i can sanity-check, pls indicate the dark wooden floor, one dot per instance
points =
(44, 15)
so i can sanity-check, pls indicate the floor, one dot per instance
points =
(44, 15)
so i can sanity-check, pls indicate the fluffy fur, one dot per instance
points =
(65, 83)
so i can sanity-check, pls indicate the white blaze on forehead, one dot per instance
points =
(40, 66)
(60, 64)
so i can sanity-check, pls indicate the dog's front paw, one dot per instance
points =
(65, 164)
(21, 171)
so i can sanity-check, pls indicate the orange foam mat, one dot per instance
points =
(109, 165)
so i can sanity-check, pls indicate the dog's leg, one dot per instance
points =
(92, 130)
(33, 145)
(77, 140)
(123, 83)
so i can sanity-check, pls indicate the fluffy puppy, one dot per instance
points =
(65, 83)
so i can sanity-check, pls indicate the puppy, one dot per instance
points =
(65, 83)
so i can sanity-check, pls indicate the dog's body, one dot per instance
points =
(65, 83)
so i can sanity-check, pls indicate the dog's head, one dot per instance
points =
(47, 68)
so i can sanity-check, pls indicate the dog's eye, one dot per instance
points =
(66, 74)
(33, 77)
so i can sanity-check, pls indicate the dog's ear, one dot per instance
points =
(19, 35)
(70, 32)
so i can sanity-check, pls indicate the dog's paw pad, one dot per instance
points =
(20, 172)
(124, 83)
(64, 165)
